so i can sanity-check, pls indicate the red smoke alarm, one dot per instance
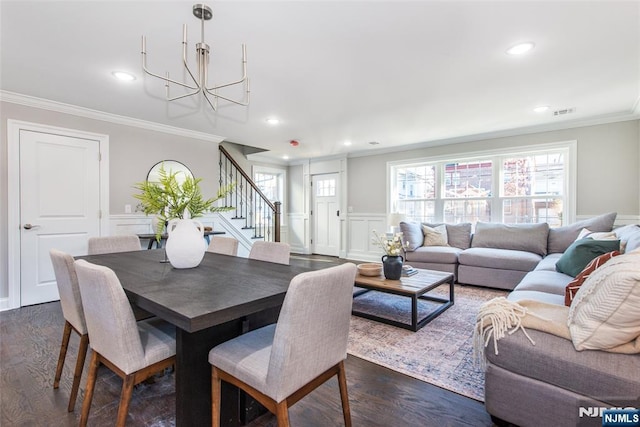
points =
(294, 143)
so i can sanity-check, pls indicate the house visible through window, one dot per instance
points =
(512, 187)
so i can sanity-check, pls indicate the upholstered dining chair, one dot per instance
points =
(133, 350)
(111, 244)
(280, 364)
(223, 245)
(277, 252)
(67, 282)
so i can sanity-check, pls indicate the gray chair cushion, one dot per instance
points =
(112, 244)
(518, 237)
(561, 237)
(276, 252)
(434, 254)
(67, 282)
(504, 259)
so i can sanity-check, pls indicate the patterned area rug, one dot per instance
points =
(441, 353)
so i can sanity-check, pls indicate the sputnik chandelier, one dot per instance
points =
(200, 78)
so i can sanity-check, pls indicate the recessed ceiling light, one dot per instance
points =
(541, 108)
(285, 157)
(273, 121)
(124, 76)
(347, 143)
(520, 48)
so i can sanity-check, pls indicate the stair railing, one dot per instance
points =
(259, 213)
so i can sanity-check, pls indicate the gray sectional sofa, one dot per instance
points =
(495, 255)
(549, 383)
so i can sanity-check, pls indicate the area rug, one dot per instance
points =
(440, 353)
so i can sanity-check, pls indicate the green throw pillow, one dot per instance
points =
(581, 252)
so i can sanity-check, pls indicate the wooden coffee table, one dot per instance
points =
(414, 287)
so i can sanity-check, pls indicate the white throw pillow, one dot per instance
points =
(605, 313)
(602, 235)
(435, 236)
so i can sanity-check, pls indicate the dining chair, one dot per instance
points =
(277, 252)
(280, 364)
(133, 350)
(67, 282)
(111, 244)
(223, 245)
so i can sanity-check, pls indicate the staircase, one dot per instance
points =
(254, 217)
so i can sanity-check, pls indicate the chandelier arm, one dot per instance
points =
(184, 96)
(165, 78)
(213, 105)
(244, 72)
(244, 104)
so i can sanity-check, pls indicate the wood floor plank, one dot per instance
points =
(29, 345)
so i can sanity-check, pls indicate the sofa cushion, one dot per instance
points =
(411, 233)
(434, 254)
(547, 297)
(504, 259)
(560, 238)
(572, 287)
(545, 281)
(629, 236)
(434, 236)
(605, 312)
(518, 237)
(553, 360)
(458, 235)
(548, 262)
(581, 252)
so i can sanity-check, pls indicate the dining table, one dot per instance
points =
(224, 297)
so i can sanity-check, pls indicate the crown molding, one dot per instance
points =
(59, 107)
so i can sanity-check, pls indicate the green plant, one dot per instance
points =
(169, 198)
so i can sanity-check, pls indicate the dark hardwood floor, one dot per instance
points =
(29, 345)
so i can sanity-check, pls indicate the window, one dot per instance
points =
(271, 181)
(528, 186)
(326, 187)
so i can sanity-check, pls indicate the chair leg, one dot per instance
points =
(125, 398)
(91, 383)
(77, 375)
(215, 397)
(344, 396)
(282, 414)
(63, 353)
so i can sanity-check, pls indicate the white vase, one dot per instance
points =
(185, 243)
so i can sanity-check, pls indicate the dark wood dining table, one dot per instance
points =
(220, 299)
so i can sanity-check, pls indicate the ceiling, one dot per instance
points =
(400, 74)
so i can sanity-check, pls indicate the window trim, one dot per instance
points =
(570, 184)
(280, 171)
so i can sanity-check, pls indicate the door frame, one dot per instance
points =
(14, 127)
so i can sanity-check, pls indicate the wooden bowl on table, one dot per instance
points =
(370, 269)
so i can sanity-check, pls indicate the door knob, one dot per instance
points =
(30, 226)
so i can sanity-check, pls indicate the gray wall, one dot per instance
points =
(608, 175)
(132, 152)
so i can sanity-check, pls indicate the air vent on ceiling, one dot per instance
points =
(564, 111)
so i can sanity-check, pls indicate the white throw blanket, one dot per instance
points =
(499, 316)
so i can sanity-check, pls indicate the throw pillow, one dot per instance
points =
(561, 237)
(411, 234)
(458, 235)
(602, 235)
(435, 236)
(606, 311)
(581, 252)
(573, 286)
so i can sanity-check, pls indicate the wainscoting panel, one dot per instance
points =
(359, 236)
(297, 237)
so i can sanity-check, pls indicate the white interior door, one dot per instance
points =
(59, 206)
(325, 214)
